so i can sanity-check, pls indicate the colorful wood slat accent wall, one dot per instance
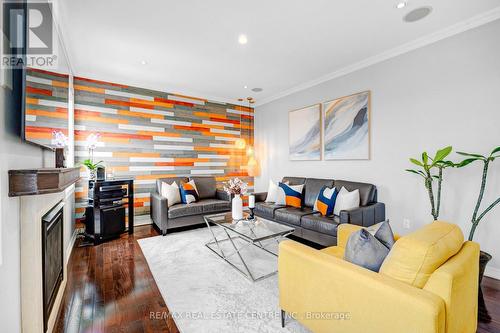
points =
(46, 105)
(146, 134)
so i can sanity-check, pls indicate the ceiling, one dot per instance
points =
(191, 46)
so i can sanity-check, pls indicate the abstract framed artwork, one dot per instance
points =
(304, 134)
(346, 127)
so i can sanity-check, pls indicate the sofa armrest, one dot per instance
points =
(364, 216)
(260, 196)
(314, 286)
(159, 211)
(222, 195)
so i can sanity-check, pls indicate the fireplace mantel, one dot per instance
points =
(41, 181)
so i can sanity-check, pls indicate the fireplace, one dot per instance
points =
(52, 258)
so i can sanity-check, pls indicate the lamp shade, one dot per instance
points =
(253, 167)
(240, 143)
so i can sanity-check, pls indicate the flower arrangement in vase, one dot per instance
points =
(92, 141)
(60, 141)
(236, 188)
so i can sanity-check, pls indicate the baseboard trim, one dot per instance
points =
(142, 220)
(492, 272)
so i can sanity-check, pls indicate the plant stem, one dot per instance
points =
(428, 186)
(440, 181)
(479, 199)
(490, 207)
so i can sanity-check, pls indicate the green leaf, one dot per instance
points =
(496, 150)
(466, 162)
(442, 153)
(469, 154)
(416, 162)
(417, 172)
(425, 158)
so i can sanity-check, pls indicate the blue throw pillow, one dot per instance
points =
(326, 200)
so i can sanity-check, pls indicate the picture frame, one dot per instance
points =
(305, 133)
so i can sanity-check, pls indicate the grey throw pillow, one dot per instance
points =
(383, 232)
(368, 247)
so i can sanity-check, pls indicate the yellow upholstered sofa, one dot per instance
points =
(427, 284)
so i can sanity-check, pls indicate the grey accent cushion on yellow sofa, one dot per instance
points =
(368, 247)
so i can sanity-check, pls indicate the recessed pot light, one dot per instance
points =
(417, 14)
(401, 4)
(144, 62)
(242, 39)
(245, 87)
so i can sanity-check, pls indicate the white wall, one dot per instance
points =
(443, 94)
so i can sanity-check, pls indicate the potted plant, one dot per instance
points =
(431, 169)
(236, 187)
(92, 168)
(477, 217)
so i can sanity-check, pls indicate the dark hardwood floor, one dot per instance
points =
(111, 289)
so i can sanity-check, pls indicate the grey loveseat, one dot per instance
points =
(211, 200)
(313, 226)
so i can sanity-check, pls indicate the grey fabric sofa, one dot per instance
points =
(211, 200)
(313, 226)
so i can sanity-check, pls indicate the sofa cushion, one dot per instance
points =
(180, 210)
(414, 257)
(214, 205)
(291, 215)
(266, 209)
(367, 192)
(364, 250)
(320, 223)
(178, 180)
(335, 251)
(206, 186)
(312, 188)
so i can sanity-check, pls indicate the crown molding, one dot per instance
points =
(450, 31)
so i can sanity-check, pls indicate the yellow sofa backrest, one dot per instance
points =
(414, 257)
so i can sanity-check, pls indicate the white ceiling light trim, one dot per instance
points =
(455, 29)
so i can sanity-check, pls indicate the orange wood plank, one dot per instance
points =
(175, 135)
(102, 119)
(151, 103)
(139, 114)
(114, 140)
(38, 135)
(30, 100)
(89, 89)
(60, 84)
(50, 114)
(209, 114)
(188, 159)
(38, 91)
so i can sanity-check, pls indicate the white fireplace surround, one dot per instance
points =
(33, 208)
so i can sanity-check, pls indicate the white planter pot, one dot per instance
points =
(237, 205)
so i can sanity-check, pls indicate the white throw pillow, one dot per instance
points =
(272, 192)
(346, 200)
(171, 192)
(275, 194)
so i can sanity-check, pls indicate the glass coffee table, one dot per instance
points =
(245, 244)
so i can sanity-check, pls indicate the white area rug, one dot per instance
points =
(205, 294)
